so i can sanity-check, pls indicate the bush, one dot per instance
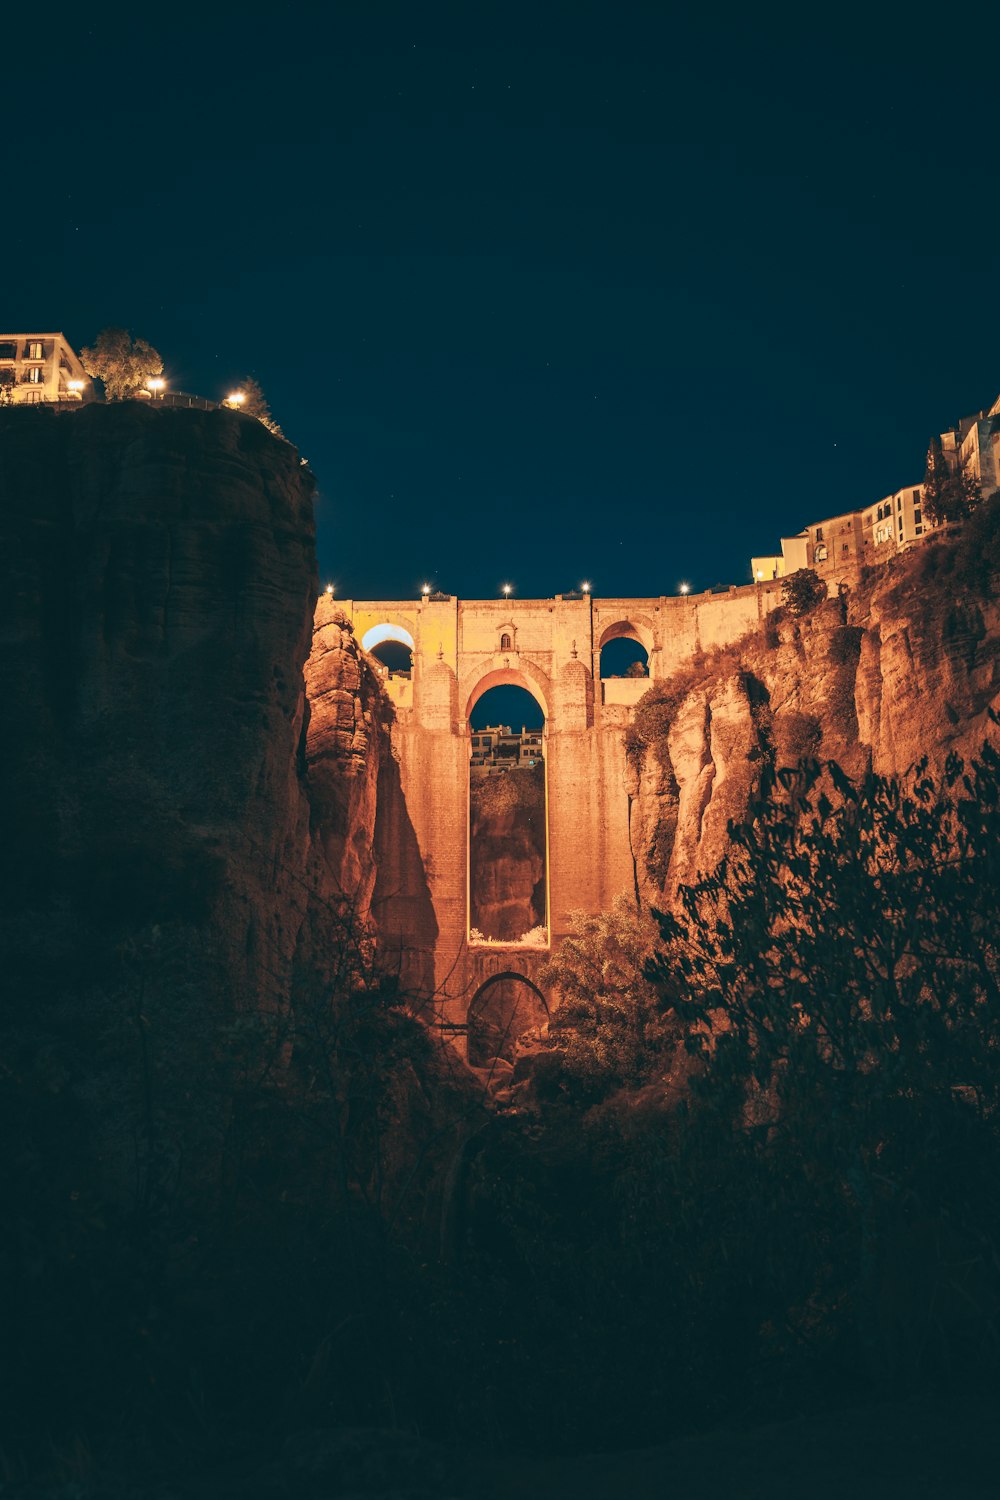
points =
(802, 591)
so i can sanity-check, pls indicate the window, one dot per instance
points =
(505, 642)
(917, 516)
(32, 398)
(916, 497)
(899, 502)
(919, 530)
(36, 375)
(35, 350)
(820, 553)
(8, 351)
(475, 741)
(819, 533)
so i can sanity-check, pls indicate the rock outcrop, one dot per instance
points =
(345, 744)
(906, 667)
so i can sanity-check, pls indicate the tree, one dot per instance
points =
(123, 364)
(841, 967)
(950, 493)
(6, 387)
(802, 591)
(637, 669)
(611, 1023)
(254, 404)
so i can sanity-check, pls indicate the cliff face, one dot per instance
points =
(907, 666)
(154, 628)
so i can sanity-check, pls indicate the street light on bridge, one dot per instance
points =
(507, 590)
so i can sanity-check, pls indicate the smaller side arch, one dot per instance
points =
(638, 628)
(379, 634)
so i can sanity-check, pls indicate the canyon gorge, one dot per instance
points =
(206, 753)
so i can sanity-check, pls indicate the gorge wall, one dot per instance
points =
(906, 666)
(157, 614)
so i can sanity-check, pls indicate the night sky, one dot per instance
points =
(542, 293)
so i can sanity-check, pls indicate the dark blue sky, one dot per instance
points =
(542, 293)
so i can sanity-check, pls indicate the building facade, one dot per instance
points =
(37, 367)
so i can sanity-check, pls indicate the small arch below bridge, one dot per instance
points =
(503, 1010)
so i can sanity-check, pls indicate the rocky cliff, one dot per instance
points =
(906, 666)
(155, 622)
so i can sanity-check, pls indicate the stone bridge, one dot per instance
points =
(552, 647)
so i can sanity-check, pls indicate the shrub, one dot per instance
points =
(802, 591)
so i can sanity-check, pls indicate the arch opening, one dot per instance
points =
(395, 657)
(379, 634)
(624, 656)
(392, 647)
(503, 1010)
(508, 820)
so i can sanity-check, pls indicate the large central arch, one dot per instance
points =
(525, 675)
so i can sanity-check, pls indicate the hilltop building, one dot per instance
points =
(973, 444)
(838, 548)
(38, 367)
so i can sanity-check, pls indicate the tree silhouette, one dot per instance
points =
(123, 364)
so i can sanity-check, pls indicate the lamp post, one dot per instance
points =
(235, 399)
(156, 385)
(507, 590)
(425, 590)
(585, 588)
(685, 588)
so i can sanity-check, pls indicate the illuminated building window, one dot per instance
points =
(34, 351)
(36, 375)
(32, 397)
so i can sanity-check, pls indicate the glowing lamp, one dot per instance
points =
(425, 590)
(74, 385)
(585, 588)
(760, 574)
(236, 398)
(156, 383)
(329, 589)
(507, 590)
(685, 588)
